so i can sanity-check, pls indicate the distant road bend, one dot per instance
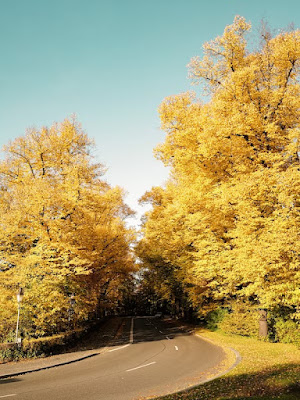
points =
(150, 357)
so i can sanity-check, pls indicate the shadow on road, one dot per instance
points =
(116, 332)
(9, 380)
(155, 329)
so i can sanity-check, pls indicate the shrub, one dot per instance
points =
(287, 331)
(41, 346)
(242, 320)
(214, 318)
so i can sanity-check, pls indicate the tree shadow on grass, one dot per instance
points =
(281, 382)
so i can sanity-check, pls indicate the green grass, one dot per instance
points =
(267, 371)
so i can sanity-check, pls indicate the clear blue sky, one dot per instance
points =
(111, 62)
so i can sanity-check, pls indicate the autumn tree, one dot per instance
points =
(165, 249)
(62, 229)
(235, 168)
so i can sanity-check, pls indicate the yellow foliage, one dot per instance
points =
(62, 227)
(228, 219)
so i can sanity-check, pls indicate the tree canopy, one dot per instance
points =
(227, 221)
(62, 230)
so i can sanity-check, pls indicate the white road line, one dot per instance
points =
(176, 348)
(131, 331)
(119, 348)
(7, 395)
(141, 366)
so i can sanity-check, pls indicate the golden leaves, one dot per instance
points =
(62, 227)
(230, 213)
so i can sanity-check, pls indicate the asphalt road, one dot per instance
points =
(150, 357)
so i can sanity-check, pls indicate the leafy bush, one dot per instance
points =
(287, 331)
(214, 318)
(242, 320)
(41, 346)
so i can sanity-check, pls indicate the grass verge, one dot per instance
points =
(267, 371)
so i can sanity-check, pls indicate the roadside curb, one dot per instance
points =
(238, 358)
(28, 371)
(59, 364)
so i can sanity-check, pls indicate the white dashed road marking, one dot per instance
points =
(119, 348)
(141, 366)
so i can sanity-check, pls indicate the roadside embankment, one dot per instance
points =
(266, 371)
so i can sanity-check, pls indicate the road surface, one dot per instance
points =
(150, 357)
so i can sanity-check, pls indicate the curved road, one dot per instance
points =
(152, 357)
